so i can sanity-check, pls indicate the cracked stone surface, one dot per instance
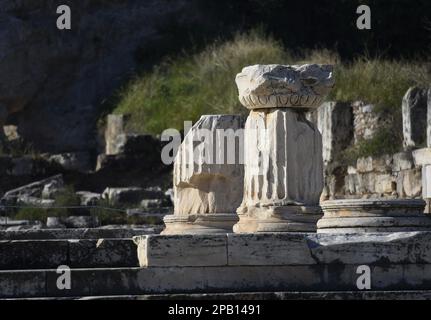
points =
(282, 86)
(285, 249)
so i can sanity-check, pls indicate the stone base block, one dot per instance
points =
(284, 249)
(285, 261)
(270, 262)
(199, 224)
(373, 215)
(291, 218)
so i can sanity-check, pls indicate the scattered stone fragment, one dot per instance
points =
(89, 198)
(81, 222)
(33, 189)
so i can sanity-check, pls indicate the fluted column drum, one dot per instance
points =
(283, 176)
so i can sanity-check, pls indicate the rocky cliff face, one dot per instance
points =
(52, 81)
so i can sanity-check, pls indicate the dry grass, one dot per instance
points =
(191, 85)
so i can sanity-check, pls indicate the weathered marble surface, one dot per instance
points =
(208, 176)
(283, 172)
(285, 249)
(238, 263)
(373, 215)
(107, 232)
(160, 280)
(429, 118)
(79, 253)
(422, 156)
(414, 109)
(335, 123)
(280, 86)
(115, 124)
(187, 250)
(426, 181)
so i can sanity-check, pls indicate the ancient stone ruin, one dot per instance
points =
(253, 221)
(273, 245)
(283, 151)
(208, 184)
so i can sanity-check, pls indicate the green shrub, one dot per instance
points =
(37, 214)
(68, 198)
(108, 214)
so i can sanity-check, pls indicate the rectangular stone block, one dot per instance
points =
(170, 280)
(426, 181)
(151, 280)
(370, 164)
(103, 253)
(182, 250)
(422, 157)
(32, 254)
(268, 249)
(81, 283)
(429, 118)
(414, 112)
(23, 283)
(372, 248)
(350, 182)
(335, 123)
(114, 127)
(402, 161)
(384, 184)
(366, 183)
(364, 165)
(163, 280)
(79, 233)
(412, 182)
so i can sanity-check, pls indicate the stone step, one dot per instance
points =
(293, 295)
(174, 280)
(80, 233)
(83, 253)
(155, 215)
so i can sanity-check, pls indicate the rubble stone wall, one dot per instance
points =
(398, 175)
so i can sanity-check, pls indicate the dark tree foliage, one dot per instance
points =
(399, 27)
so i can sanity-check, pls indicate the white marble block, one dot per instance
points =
(281, 86)
(208, 177)
(283, 172)
(414, 112)
(426, 181)
(288, 168)
(429, 118)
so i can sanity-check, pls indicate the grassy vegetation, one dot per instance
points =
(68, 198)
(377, 81)
(382, 83)
(191, 85)
(65, 198)
(109, 214)
(384, 141)
(37, 214)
